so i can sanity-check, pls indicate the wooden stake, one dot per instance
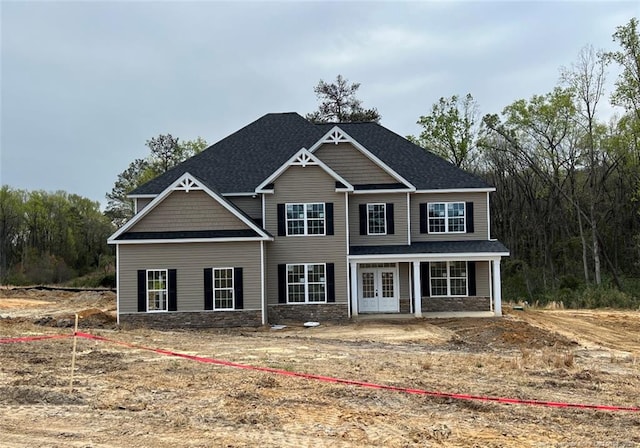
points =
(73, 356)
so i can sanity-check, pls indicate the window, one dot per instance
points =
(223, 288)
(306, 283)
(305, 219)
(157, 290)
(446, 217)
(376, 219)
(448, 278)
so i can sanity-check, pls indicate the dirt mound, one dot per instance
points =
(22, 395)
(502, 333)
(89, 318)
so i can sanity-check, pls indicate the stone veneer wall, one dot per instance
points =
(201, 319)
(321, 312)
(435, 304)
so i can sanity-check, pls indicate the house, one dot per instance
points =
(286, 220)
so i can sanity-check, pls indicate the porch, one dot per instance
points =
(432, 279)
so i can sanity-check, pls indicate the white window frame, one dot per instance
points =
(307, 283)
(306, 208)
(226, 288)
(369, 217)
(447, 217)
(449, 278)
(164, 290)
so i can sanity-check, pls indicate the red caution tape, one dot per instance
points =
(34, 338)
(329, 379)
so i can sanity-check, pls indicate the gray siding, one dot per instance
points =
(142, 203)
(479, 213)
(482, 278)
(252, 206)
(403, 274)
(305, 185)
(195, 210)
(400, 235)
(189, 259)
(352, 164)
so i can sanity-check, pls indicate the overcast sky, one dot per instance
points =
(85, 84)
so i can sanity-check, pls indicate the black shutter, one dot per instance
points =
(142, 291)
(173, 291)
(328, 213)
(425, 284)
(282, 283)
(282, 223)
(331, 283)
(423, 218)
(469, 217)
(389, 217)
(238, 292)
(208, 289)
(363, 219)
(471, 277)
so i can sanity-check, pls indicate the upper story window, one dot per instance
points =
(305, 219)
(157, 290)
(376, 219)
(446, 217)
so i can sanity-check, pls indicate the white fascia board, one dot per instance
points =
(476, 256)
(190, 240)
(170, 189)
(246, 193)
(404, 190)
(141, 196)
(363, 150)
(458, 190)
(313, 161)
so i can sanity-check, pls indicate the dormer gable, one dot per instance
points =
(303, 158)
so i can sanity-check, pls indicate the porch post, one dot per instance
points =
(417, 293)
(497, 289)
(354, 288)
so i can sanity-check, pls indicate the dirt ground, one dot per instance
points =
(129, 397)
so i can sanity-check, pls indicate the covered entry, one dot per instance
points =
(378, 288)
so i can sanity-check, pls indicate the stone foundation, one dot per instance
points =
(201, 319)
(435, 304)
(321, 312)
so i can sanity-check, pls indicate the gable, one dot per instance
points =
(188, 211)
(352, 164)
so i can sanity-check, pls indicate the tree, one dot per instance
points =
(338, 103)
(451, 130)
(166, 152)
(627, 91)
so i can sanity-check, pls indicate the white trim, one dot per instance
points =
(135, 206)
(346, 224)
(497, 288)
(306, 283)
(246, 193)
(384, 205)
(448, 279)
(417, 305)
(262, 285)
(176, 185)
(141, 196)
(305, 207)
(346, 138)
(458, 190)
(354, 290)
(118, 285)
(146, 290)
(399, 190)
(233, 285)
(408, 220)
(488, 218)
(191, 240)
(301, 158)
(446, 218)
(473, 256)
(264, 211)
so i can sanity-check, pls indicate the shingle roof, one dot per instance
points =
(241, 161)
(432, 247)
